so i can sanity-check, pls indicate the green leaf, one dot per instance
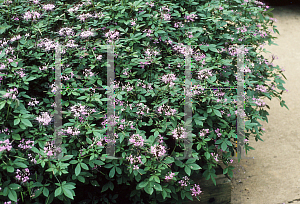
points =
(112, 172)
(149, 190)
(69, 186)
(66, 157)
(68, 193)
(17, 121)
(14, 64)
(218, 113)
(143, 184)
(84, 166)
(209, 110)
(38, 192)
(119, 171)
(12, 195)
(225, 171)
(190, 161)
(188, 195)
(98, 162)
(49, 199)
(157, 187)
(81, 179)
(14, 186)
(169, 160)
(156, 179)
(20, 164)
(88, 140)
(16, 137)
(2, 30)
(46, 192)
(10, 169)
(187, 170)
(224, 146)
(213, 178)
(194, 166)
(77, 169)
(164, 194)
(2, 53)
(2, 104)
(58, 192)
(26, 122)
(207, 155)
(182, 194)
(260, 16)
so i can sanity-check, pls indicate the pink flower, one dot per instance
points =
(48, 7)
(44, 119)
(170, 177)
(158, 150)
(196, 190)
(221, 8)
(137, 140)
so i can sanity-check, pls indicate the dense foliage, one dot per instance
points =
(149, 41)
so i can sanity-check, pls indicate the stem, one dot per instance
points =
(53, 172)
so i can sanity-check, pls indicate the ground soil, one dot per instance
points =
(271, 174)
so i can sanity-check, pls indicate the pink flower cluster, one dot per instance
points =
(151, 4)
(191, 17)
(86, 34)
(5, 130)
(179, 133)
(168, 111)
(31, 15)
(48, 7)
(44, 119)
(164, 12)
(32, 159)
(204, 74)
(66, 32)
(261, 88)
(135, 161)
(158, 150)
(141, 108)
(22, 176)
(33, 102)
(71, 44)
(11, 93)
(13, 39)
(26, 145)
(169, 78)
(182, 49)
(71, 130)
(21, 72)
(184, 181)
(149, 31)
(178, 24)
(112, 35)
(50, 150)
(5, 145)
(122, 121)
(137, 140)
(204, 132)
(170, 176)
(259, 102)
(145, 86)
(81, 110)
(196, 190)
(48, 44)
(218, 132)
(215, 156)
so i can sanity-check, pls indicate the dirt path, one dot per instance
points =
(273, 176)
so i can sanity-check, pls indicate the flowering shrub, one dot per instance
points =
(149, 41)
